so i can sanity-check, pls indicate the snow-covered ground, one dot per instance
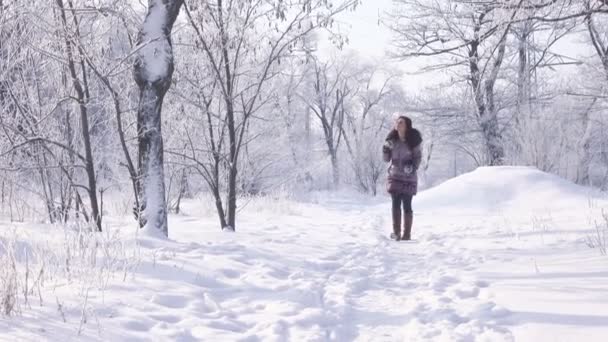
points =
(500, 254)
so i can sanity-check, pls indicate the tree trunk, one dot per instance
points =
(232, 134)
(82, 97)
(600, 45)
(490, 124)
(523, 76)
(582, 172)
(153, 71)
(484, 98)
(183, 185)
(331, 150)
(335, 168)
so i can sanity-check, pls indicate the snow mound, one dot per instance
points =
(501, 188)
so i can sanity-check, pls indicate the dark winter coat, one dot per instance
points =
(404, 158)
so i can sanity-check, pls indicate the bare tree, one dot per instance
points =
(563, 18)
(153, 71)
(240, 51)
(82, 97)
(295, 114)
(330, 86)
(598, 34)
(365, 121)
(469, 35)
(52, 82)
(598, 31)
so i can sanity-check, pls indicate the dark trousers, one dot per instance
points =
(401, 199)
(406, 202)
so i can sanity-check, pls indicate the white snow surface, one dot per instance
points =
(499, 254)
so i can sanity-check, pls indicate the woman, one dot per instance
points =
(402, 149)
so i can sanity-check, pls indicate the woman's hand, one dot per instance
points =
(387, 147)
(408, 169)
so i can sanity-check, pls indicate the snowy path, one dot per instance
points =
(320, 281)
(496, 267)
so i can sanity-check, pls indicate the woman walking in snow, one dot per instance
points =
(402, 149)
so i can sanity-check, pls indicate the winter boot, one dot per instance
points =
(396, 224)
(407, 226)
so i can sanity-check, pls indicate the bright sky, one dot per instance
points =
(370, 39)
(367, 34)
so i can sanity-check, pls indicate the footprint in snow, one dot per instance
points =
(136, 325)
(442, 282)
(228, 273)
(171, 301)
(166, 318)
(463, 292)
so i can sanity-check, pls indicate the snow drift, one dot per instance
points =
(505, 188)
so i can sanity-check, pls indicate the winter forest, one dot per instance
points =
(126, 126)
(248, 107)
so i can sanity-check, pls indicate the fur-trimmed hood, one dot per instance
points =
(413, 137)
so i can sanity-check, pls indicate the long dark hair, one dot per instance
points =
(413, 138)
